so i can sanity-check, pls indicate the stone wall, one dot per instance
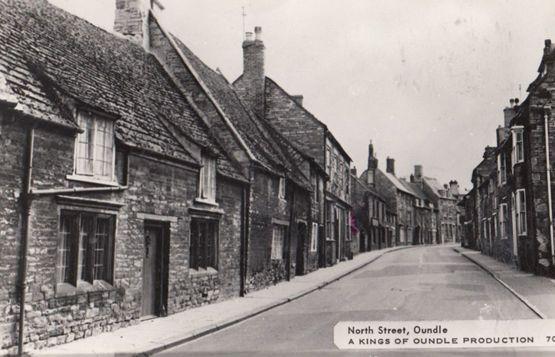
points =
(157, 188)
(266, 209)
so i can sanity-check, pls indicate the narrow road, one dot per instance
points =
(424, 283)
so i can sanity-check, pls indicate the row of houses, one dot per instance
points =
(508, 213)
(392, 210)
(138, 182)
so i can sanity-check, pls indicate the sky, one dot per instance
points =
(425, 80)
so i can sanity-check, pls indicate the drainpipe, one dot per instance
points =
(291, 225)
(548, 174)
(26, 200)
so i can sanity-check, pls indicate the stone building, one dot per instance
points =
(328, 163)
(468, 217)
(444, 198)
(113, 211)
(136, 183)
(398, 197)
(425, 214)
(521, 167)
(374, 221)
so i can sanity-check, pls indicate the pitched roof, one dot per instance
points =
(268, 147)
(287, 97)
(48, 55)
(397, 183)
(415, 189)
(368, 188)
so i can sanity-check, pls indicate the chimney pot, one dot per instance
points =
(248, 36)
(516, 101)
(298, 99)
(258, 33)
(511, 102)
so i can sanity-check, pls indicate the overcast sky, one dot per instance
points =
(425, 80)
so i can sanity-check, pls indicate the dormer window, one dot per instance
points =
(95, 147)
(207, 182)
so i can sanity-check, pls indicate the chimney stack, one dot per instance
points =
(253, 71)
(510, 112)
(132, 19)
(418, 173)
(372, 165)
(298, 98)
(454, 187)
(390, 166)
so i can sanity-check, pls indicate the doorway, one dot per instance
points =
(155, 269)
(301, 243)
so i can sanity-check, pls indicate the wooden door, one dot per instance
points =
(153, 270)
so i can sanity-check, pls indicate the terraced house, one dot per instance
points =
(513, 216)
(375, 220)
(136, 183)
(328, 163)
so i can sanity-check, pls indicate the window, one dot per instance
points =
(204, 244)
(503, 219)
(501, 169)
(328, 159)
(94, 152)
(314, 238)
(521, 211)
(85, 248)
(518, 144)
(207, 181)
(281, 188)
(278, 237)
(494, 225)
(314, 183)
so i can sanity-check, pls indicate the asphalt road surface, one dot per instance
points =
(423, 283)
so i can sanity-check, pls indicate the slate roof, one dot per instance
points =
(415, 189)
(370, 189)
(397, 183)
(434, 184)
(269, 148)
(48, 55)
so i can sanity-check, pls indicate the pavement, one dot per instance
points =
(297, 317)
(432, 283)
(159, 334)
(537, 292)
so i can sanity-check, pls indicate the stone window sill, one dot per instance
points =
(202, 272)
(66, 289)
(206, 202)
(91, 179)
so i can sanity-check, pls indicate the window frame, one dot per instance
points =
(281, 188)
(501, 168)
(207, 186)
(518, 146)
(314, 237)
(503, 220)
(82, 262)
(278, 255)
(203, 259)
(520, 201)
(92, 176)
